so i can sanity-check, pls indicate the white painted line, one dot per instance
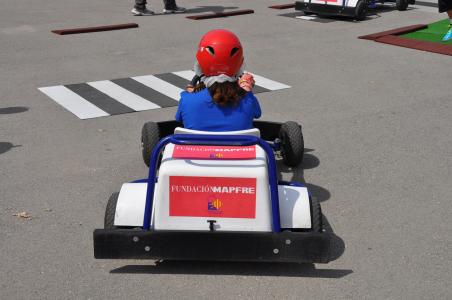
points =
(160, 86)
(309, 18)
(122, 95)
(73, 102)
(188, 74)
(268, 83)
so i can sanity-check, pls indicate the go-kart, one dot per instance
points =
(356, 9)
(215, 196)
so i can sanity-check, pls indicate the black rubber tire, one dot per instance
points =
(307, 13)
(361, 10)
(402, 4)
(150, 136)
(316, 215)
(110, 211)
(292, 144)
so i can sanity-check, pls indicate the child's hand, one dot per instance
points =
(189, 88)
(246, 82)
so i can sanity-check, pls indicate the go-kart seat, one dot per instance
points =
(252, 131)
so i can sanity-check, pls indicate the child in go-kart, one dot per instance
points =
(222, 100)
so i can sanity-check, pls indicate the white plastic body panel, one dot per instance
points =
(256, 168)
(130, 205)
(252, 131)
(348, 3)
(293, 201)
(293, 205)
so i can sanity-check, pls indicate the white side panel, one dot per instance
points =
(328, 2)
(294, 207)
(252, 131)
(351, 3)
(74, 103)
(130, 206)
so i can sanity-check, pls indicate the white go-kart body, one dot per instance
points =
(213, 197)
(202, 182)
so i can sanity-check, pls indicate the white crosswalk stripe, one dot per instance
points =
(124, 96)
(268, 83)
(188, 74)
(73, 102)
(117, 96)
(160, 86)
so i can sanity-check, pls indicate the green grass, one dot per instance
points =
(433, 33)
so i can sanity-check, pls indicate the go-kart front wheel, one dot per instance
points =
(316, 215)
(402, 4)
(361, 10)
(150, 136)
(110, 211)
(292, 144)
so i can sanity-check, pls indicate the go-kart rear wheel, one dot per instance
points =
(292, 144)
(150, 136)
(402, 4)
(110, 211)
(316, 215)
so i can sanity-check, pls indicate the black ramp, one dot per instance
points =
(174, 80)
(101, 100)
(145, 92)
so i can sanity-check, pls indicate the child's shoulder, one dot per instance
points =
(192, 96)
(249, 96)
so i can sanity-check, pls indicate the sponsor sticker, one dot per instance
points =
(223, 197)
(214, 152)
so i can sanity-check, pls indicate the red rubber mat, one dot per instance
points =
(415, 44)
(392, 37)
(283, 6)
(95, 29)
(396, 31)
(221, 14)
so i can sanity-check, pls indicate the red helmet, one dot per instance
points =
(220, 52)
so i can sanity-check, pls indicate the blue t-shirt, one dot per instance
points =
(198, 111)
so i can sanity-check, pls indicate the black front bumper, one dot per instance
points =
(325, 9)
(299, 247)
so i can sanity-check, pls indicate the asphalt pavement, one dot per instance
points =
(376, 121)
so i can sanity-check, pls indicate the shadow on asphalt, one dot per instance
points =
(233, 268)
(13, 110)
(310, 161)
(203, 8)
(5, 147)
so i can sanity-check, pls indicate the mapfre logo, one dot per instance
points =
(214, 205)
(216, 155)
(225, 197)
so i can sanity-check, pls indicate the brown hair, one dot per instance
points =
(224, 93)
